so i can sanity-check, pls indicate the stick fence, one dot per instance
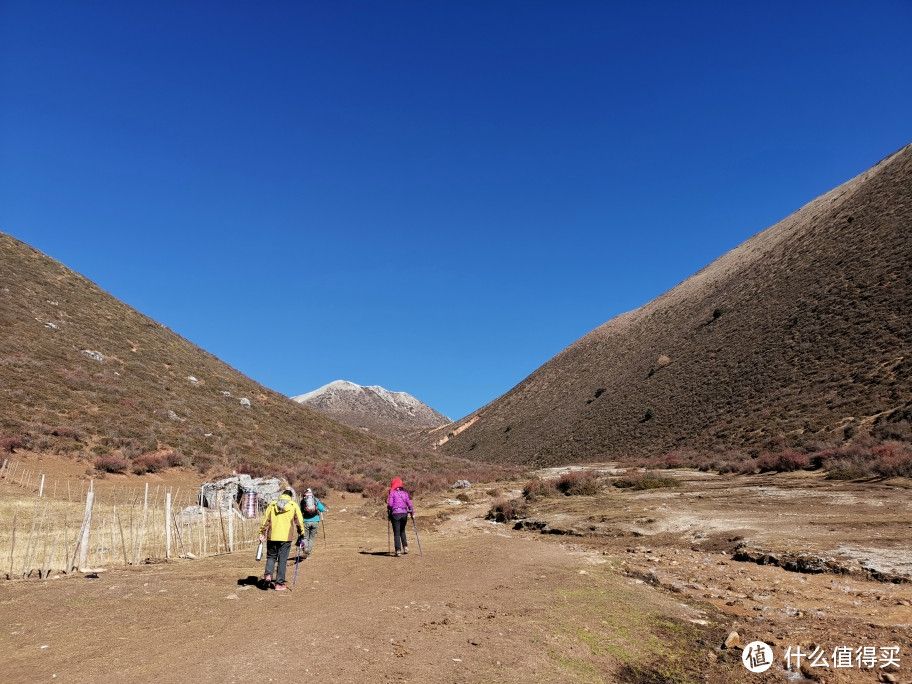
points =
(117, 525)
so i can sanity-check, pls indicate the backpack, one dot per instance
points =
(309, 504)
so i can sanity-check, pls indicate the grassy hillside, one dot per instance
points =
(799, 339)
(82, 373)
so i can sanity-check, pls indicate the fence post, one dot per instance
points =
(142, 533)
(123, 544)
(41, 488)
(13, 542)
(83, 543)
(231, 529)
(168, 526)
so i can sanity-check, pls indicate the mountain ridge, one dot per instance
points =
(771, 341)
(393, 415)
(85, 375)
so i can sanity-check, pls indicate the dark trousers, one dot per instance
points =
(278, 549)
(399, 523)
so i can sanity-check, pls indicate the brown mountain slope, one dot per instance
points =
(83, 373)
(803, 331)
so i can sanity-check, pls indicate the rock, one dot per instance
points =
(245, 402)
(232, 488)
(733, 640)
(461, 484)
(97, 356)
(888, 677)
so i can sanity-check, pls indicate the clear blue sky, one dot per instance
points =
(435, 197)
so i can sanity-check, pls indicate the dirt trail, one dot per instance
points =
(629, 587)
(475, 607)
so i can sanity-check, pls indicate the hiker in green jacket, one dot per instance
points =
(312, 509)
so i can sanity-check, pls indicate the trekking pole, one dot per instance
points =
(417, 538)
(323, 525)
(297, 563)
(389, 524)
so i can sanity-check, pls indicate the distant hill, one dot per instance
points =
(393, 415)
(82, 373)
(801, 336)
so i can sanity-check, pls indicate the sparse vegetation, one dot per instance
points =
(111, 464)
(505, 510)
(578, 483)
(645, 480)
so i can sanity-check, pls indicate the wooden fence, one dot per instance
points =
(50, 527)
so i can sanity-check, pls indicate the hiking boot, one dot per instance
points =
(405, 550)
(398, 553)
(280, 586)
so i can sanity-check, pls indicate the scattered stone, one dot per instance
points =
(176, 418)
(233, 488)
(192, 379)
(888, 677)
(462, 484)
(231, 596)
(245, 402)
(52, 326)
(97, 356)
(733, 640)
(226, 393)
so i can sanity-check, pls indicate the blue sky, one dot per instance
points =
(435, 197)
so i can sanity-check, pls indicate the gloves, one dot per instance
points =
(300, 541)
(262, 538)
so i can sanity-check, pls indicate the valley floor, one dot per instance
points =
(627, 587)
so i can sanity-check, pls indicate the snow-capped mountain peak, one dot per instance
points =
(372, 408)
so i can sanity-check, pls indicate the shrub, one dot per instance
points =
(176, 459)
(893, 459)
(69, 433)
(204, 462)
(10, 444)
(462, 496)
(505, 510)
(539, 489)
(783, 462)
(111, 463)
(578, 483)
(150, 463)
(374, 490)
(647, 480)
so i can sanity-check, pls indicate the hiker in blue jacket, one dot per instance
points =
(312, 509)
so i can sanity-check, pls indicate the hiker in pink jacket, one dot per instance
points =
(398, 509)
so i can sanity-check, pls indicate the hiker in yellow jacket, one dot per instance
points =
(282, 518)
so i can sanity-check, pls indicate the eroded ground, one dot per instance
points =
(789, 559)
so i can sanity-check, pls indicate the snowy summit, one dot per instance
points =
(373, 409)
